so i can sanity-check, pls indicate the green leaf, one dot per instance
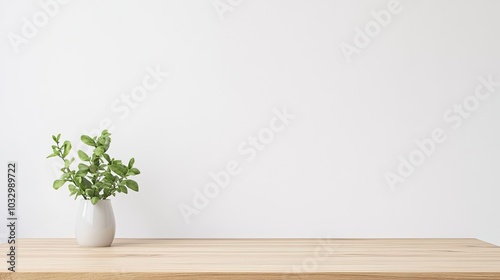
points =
(106, 146)
(104, 140)
(68, 162)
(83, 167)
(107, 184)
(82, 173)
(54, 138)
(78, 181)
(136, 171)
(78, 193)
(133, 171)
(108, 177)
(119, 169)
(123, 189)
(58, 137)
(58, 183)
(99, 151)
(92, 168)
(51, 155)
(66, 148)
(89, 192)
(98, 185)
(131, 163)
(85, 183)
(87, 140)
(72, 189)
(106, 192)
(106, 156)
(94, 200)
(83, 156)
(131, 184)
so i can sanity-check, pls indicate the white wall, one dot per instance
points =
(323, 175)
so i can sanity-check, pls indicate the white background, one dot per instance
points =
(322, 176)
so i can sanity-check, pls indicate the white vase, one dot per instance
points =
(95, 224)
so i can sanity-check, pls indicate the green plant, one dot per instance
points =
(98, 176)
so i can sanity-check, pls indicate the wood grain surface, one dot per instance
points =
(245, 259)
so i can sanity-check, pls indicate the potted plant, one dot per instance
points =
(98, 177)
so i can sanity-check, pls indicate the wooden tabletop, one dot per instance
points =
(257, 259)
